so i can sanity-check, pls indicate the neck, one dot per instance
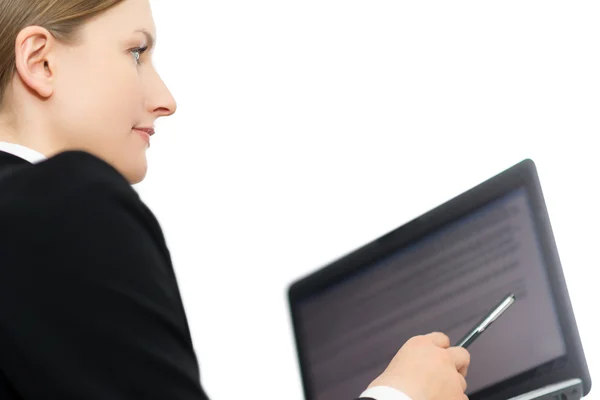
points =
(9, 134)
(25, 126)
(6, 130)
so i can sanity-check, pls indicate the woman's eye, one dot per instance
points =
(138, 53)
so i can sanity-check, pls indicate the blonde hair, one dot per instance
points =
(62, 18)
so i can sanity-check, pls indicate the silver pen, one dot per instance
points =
(486, 321)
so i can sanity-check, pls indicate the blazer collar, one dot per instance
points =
(23, 152)
(8, 160)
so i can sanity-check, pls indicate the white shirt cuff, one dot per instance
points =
(384, 393)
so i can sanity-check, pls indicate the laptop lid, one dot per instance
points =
(442, 272)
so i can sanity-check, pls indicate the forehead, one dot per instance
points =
(130, 18)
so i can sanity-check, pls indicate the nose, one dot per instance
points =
(160, 100)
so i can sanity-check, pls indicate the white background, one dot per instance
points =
(308, 128)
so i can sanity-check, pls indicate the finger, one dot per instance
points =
(463, 383)
(464, 371)
(439, 339)
(461, 357)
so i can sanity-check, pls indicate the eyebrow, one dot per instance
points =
(149, 38)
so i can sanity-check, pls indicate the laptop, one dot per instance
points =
(442, 272)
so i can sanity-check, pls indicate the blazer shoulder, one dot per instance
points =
(60, 194)
(62, 173)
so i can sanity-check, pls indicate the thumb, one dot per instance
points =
(439, 339)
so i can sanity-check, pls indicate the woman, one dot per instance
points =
(89, 303)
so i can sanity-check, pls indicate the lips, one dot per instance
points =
(149, 131)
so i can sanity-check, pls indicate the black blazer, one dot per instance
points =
(89, 302)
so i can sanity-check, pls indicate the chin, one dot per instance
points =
(136, 172)
(137, 176)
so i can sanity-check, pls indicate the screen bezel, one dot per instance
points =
(522, 175)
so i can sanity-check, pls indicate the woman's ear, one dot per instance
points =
(34, 59)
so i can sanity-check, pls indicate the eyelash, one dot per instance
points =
(139, 50)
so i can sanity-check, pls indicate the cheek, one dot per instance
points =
(101, 103)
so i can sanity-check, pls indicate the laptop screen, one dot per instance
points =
(444, 282)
